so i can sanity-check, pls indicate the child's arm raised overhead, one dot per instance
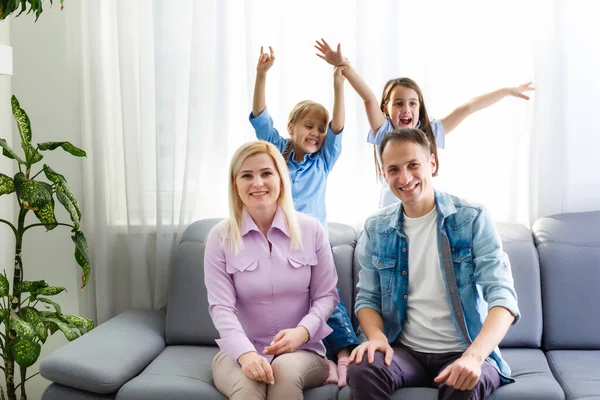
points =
(265, 62)
(339, 106)
(335, 58)
(459, 114)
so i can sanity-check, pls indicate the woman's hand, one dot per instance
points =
(287, 341)
(256, 367)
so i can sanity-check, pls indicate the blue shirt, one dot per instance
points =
(387, 197)
(483, 277)
(309, 176)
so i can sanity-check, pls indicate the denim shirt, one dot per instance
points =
(483, 278)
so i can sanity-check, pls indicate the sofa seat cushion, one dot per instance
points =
(178, 373)
(54, 391)
(185, 372)
(533, 380)
(577, 371)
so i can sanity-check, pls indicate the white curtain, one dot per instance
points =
(166, 90)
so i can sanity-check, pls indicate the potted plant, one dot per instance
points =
(26, 324)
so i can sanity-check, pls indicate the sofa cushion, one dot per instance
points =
(54, 391)
(185, 372)
(188, 320)
(343, 240)
(178, 373)
(569, 251)
(533, 380)
(517, 242)
(577, 371)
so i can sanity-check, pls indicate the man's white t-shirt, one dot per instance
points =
(428, 326)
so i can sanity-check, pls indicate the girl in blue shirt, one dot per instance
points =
(311, 152)
(402, 106)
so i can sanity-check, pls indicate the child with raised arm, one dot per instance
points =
(402, 106)
(311, 152)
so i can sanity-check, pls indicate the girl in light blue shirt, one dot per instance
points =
(311, 152)
(402, 106)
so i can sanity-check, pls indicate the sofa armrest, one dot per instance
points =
(102, 360)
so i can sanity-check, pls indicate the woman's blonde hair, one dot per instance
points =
(300, 111)
(232, 225)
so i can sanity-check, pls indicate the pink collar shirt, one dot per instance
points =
(258, 292)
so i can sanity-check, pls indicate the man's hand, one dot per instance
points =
(462, 374)
(256, 367)
(370, 348)
(287, 341)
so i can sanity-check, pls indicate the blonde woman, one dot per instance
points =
(271, 284)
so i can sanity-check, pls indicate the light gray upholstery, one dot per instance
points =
(569, 250)
(577, 371)
(562, 273)
(54, 391)
(188, 320)
(518, 244)
(104, 359)
(187, 368)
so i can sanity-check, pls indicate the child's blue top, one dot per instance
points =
(387, 197)
(309, 176)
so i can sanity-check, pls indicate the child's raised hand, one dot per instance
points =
(265, 61)
(334, 58)
(519, 90)
(338, 77)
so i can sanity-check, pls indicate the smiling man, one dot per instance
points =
(435, 292)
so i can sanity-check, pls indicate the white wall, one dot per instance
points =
(7, 241)
(44, 83)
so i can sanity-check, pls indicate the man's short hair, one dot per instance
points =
(413, 135)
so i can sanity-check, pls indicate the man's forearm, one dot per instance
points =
(494, 329)
(371, 324)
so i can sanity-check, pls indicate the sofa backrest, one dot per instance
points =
(188, 320)
(517, 242)
(569, 249)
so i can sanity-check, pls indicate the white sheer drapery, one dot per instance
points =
(166, 90)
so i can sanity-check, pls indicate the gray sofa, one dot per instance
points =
(554, 351)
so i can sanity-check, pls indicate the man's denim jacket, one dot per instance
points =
(483, 278)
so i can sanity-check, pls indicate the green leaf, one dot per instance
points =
(7, 185)
(27, 286)
(80, 322)
(24, 329)
(52, 303)
(32, 316)
(3, 314)
(49, 291)
(22, 121)
(4, 286)
(70, 332)
(10, 153)
(33, 194)
(82, 256)
(25, 352)
(64, 200)
(46, 215)
(32, 155)
(62, 186)
(66, 146)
